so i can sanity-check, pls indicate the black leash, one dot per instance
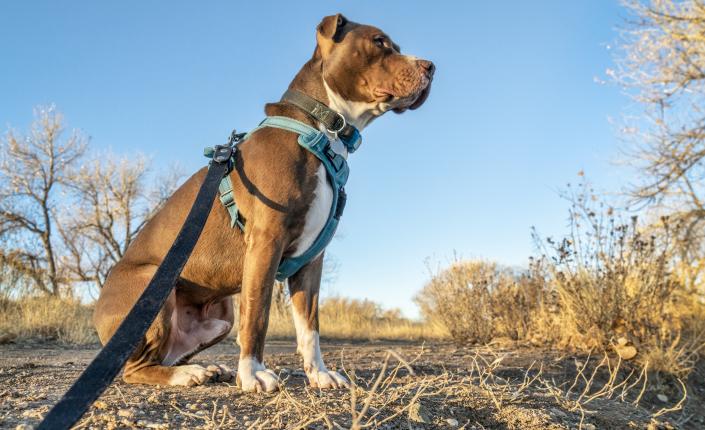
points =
(107, 364)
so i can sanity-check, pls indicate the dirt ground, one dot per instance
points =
(430, 385)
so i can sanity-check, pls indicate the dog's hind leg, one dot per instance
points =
(303, 288)
(148, 364)
(160, 359)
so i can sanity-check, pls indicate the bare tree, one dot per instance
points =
(66, 220)
(113, 205)
(34, 172)
(662, 65)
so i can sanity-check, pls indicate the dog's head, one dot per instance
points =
(365, 73)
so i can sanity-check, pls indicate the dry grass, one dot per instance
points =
(46, 318)
(396, 394)
(345, 318)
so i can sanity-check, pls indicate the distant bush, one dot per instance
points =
(475, 301)
(46, 318)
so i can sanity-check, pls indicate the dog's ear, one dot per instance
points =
(330, 31)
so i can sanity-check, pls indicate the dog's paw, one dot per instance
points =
(221, 373)
(190, 375)
(327, 379)
(253, 377)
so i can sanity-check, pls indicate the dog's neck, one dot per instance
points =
(311, 82)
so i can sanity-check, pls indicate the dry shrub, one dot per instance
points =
(47, 318)
(608, 286)
(616, 282)
(474, 301)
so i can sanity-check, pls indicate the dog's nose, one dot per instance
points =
(427, 66)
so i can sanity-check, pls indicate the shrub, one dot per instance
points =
(474, 301)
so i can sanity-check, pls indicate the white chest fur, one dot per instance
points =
(317, 214)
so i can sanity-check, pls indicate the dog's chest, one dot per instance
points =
(320, 208)
(317, 214)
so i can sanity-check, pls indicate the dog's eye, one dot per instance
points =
(379, 41)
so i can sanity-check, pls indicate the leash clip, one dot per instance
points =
(222, 153)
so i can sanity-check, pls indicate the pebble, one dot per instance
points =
(589, 426)
(662, 397)
(452, 422)
(24, 426)
(99, 404)
(126, 413)
(626, 352)
(558, 413)
(417, 413)
(152, 425)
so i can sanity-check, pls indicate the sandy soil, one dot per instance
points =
(435, 385)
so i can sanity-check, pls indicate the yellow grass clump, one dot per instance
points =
(47, 318)
(347, 318)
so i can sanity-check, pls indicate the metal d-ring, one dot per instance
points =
(342, 127)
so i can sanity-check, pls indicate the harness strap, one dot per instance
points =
(228, 200)
(316, 142)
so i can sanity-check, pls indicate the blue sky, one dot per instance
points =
(514, 114)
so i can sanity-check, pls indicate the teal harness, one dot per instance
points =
(316, 142)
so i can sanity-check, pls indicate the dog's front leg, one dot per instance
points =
(303, 288)
(264, 252)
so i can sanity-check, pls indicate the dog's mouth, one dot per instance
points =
(399, 103)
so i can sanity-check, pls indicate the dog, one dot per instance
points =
(283, 192)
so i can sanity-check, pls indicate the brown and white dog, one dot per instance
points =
(284, 194)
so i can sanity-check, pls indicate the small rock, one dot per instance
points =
(626, 352)
(101, 405)
(191, 407)
(662, 397)
(152, 425)
(126, 413)
(622, 341)
(452, 422)
(418, 414)
(588, 426)
(24, 426)
(559, 413)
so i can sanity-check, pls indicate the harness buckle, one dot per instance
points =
(235, 137)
